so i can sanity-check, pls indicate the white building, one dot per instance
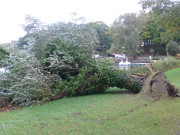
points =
(121, 55)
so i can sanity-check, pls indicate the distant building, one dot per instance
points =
(146, 42)
(96, 55)
(121, 55)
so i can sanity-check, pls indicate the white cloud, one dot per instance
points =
(12, 12)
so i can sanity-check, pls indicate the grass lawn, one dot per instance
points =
(173, 76)
(114, 113)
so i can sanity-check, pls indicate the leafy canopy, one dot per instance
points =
(126, 32)
(167, 17)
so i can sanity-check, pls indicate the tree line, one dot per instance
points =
(149, 32)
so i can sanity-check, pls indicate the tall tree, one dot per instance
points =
(36, 35)
(126, 32)
(167, 17)
(77, 33)
(151, 37)
(105, 39)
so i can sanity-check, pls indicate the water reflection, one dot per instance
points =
(124, 67)
(127, 67)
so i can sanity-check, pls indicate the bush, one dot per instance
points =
(151, 51)
(173, 48)
(167, 65)
(156, 58)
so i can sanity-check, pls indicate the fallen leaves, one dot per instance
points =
(8, 108)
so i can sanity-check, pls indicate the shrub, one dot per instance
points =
(173, 48)
(151, 51)
(156, 58)
(167, 65)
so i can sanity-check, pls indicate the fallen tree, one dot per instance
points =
(96, 79)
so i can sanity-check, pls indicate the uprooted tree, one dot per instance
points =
(56, 61)
(156, 87)
(80, 73)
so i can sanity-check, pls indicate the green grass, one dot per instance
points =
(113, 113)
(173, 76)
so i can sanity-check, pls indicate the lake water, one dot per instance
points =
(126, 67)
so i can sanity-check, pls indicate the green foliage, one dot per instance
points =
(81, 73)
(22, 41)
(93, 79)
(173, 48)
(123, 80)
(156, 58)
(3, 53)
(25, 82)
(88, 81)
(58, 58)
(151, 31)
(105, 39)
(76, 33)
(151, 36)
(63, 58)
(167, 65)
(151, 51)
(82, 35)
(166, 17)
(162, 65)
(32, 25)
(126, 33)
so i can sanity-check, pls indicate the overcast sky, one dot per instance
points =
(12, 12)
